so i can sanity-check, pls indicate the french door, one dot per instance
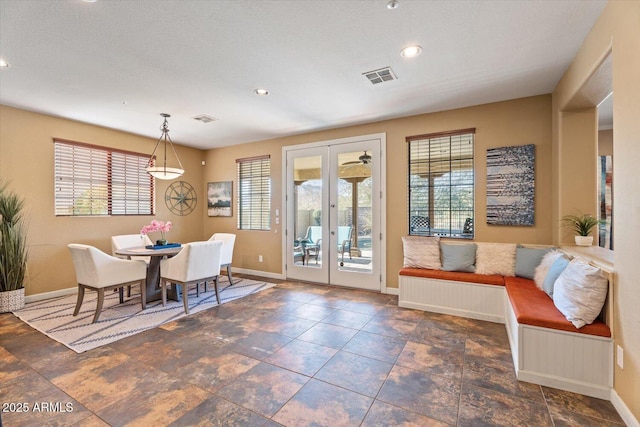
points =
(333, 225)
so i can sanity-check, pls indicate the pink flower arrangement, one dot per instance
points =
(155, 225)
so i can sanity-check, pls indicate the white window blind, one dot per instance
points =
(441, 184)
(92, 180)
(254, 193)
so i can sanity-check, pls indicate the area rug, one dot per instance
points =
(54, 317)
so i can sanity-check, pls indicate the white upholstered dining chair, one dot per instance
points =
(196, 263)
(100, 272)
(228, 242)
(125, 241)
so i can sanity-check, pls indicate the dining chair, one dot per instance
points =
(197, 262)
(124, 241)
(101, 272)
(228, 242)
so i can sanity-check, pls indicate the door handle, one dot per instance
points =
(333, 233)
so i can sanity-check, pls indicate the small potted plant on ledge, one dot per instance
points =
(13, 251)
(582, 225)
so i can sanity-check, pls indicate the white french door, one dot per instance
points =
(334, 212)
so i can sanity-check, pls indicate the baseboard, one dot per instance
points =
(452, 311)
(623, 410)
(52, 294)
(600, 392)
(265, 274)
(392, 291)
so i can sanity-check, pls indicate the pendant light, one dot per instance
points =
(163, 171)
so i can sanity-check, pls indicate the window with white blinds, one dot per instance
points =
(97, 181)
(254, 193)
(441, 184)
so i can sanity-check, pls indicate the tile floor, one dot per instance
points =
(294, 355)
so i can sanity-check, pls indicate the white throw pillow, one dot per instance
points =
(496, 258)
(543, 268)
(579, 293)
(421, 252)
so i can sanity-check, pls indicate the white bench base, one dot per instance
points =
(568, 361)
(471, 300)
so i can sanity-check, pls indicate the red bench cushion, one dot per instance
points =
(454, 276)
(533, 307)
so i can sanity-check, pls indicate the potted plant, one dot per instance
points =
(582, 225)
(13, 250)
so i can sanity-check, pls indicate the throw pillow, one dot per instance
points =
(554, 272)
(544, 266)
(527, 259)
(496, 258)
(580, 292)
(458, 257)
(421, 252)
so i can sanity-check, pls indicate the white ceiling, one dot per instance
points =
(82, 60)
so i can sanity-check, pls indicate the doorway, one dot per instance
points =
(334, 204)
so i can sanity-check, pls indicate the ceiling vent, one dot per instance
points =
(204, 118)
(380, 76)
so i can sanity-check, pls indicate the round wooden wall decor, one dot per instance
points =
(181, 198)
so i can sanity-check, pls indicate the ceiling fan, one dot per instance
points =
(364, 159)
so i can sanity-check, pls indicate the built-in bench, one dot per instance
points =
(546, 348)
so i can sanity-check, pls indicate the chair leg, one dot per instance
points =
(121, 294)
(99, 305)
(198, 290)
(205, 286)
(163, 285)
(129, 291)
(229, 275)
(215, 284)
(79, 301)
(143, 297)
(184, 298)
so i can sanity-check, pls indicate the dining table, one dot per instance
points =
(153, 292)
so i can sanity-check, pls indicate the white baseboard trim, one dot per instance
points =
(623, 410)
(265, 274)
(52, 294)
(392, 291)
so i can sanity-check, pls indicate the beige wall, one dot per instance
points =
(26, 160)
(605, 142)
(515, 122)
(617, 31)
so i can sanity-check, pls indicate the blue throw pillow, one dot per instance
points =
(527, 259)
(458, 257)
(554, 272)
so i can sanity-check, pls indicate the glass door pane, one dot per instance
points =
(354, 187)
(306, 229)
(307, 217)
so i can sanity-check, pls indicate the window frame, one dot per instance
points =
(432, 224)
(253, 176)
(80, 167)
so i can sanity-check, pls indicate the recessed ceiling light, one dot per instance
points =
(89, 1)
(393, 4)
(411, 51)
(261, 92)
(4, 64)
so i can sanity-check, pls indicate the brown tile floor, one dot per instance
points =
(294, 355)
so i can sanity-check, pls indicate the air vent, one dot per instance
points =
(380, 76)
(204, 118)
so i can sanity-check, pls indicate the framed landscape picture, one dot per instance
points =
(219, 198)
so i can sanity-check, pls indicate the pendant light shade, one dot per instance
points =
(163, 171)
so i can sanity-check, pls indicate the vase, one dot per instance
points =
(584, 240)
(11, 300)
(161, 242)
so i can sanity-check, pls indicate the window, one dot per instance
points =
(441, 184)
(91, 180)
(254, 193)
